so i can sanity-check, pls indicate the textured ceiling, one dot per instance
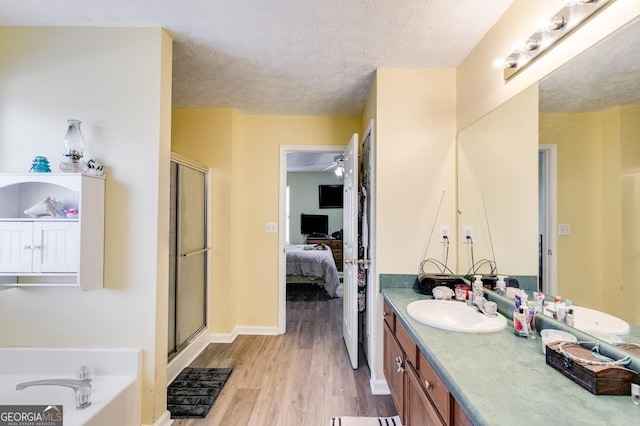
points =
(278, 56)
(605, 75)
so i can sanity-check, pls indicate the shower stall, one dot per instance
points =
(187, 254)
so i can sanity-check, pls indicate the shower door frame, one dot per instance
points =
(179, 344)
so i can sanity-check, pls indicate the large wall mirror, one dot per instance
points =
(584, 118)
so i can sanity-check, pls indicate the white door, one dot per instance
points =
(350, 241)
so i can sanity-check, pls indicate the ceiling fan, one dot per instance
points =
(316, 162)
(337, 165)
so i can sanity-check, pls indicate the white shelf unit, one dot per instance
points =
(50, 251)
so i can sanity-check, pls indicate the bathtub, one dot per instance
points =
(115, 382)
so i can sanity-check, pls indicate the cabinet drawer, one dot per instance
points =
(408, 346)
(389, 316)
(459, 417)
(419, 411)
(434, 387)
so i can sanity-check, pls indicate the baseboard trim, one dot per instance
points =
(379, 387)
(242, 330)
(164, 420)
(186, 356)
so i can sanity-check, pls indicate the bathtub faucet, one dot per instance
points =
(81, 387)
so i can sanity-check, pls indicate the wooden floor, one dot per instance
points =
(302, 377)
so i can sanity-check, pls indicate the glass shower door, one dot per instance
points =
(188, 262)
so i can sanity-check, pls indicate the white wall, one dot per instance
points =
(118, 83)
(303, 193)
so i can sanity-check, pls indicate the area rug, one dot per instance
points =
(365, 421)
(192, 393)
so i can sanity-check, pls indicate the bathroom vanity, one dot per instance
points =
(447, 377)
(416, 389)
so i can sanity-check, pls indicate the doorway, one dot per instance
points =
(320, 152)
(187, 254)
(548, 218)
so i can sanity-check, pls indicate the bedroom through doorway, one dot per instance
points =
(313, 222)
(303, 300)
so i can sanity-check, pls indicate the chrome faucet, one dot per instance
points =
(81, 386)
(484, 306)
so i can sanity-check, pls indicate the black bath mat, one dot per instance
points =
(192, 393)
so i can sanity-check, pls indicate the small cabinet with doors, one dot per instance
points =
(418, 394)
(56, 247)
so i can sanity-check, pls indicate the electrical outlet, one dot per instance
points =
(467, 234)
(444, 232)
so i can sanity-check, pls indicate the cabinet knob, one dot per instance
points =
(427, 385)
(27, 247)
(399, 366)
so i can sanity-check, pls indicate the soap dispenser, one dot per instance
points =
(478, 287)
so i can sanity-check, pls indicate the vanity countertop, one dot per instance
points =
(501, 379)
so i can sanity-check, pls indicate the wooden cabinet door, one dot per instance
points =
(418, 409)
(15, 246)
(395, 378)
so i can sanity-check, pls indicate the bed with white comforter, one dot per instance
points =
(313, 261)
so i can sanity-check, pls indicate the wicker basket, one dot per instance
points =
(580, 365)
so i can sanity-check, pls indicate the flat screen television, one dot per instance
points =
(330, 196)
(314, 224)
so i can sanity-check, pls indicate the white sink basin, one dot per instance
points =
(455, 316)
(596, 322)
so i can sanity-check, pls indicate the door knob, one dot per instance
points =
(357, 261)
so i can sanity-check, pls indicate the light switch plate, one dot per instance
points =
(564, 229)
(272, 228)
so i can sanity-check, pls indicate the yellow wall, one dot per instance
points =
(498, 184)
(206, 136)
(578, 137)
(118, 83)
(629, 293)
(259, 140)
(598, 193)
(415, 163)
(243, 152)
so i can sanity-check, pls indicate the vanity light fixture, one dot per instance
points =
(574, 14)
